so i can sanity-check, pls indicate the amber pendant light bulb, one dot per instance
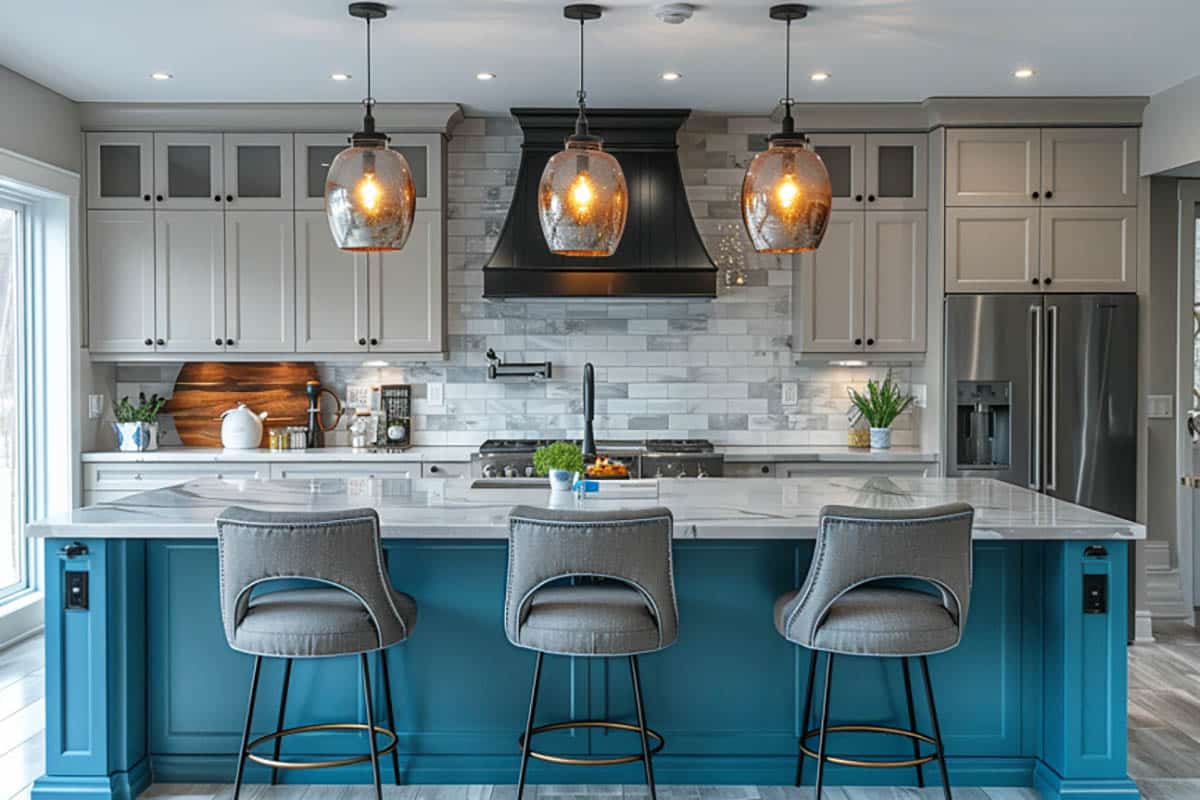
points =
(370, 198)
(786, 193)
(582, 196)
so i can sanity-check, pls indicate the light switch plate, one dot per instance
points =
(95, 406)
(920, 393)
(435, 394)
(1160, 406)
(358, 395)
(791, 394)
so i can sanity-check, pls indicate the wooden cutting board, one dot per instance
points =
(204, 390)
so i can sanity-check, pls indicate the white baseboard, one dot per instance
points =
(1143, 629)
(1158, 556)
(20, 619)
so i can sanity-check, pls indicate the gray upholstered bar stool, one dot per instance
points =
(355, 612)
(850, 605)
(590, 584)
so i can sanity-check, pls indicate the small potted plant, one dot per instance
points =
(561, 461)
(137, 425)
(882, 403)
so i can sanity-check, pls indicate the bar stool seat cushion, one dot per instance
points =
(879, 621)
(610, 619)
(299, 623)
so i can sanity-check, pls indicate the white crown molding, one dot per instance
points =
(267, 117)
(1034, 111)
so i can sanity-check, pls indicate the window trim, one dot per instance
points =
(27, 574)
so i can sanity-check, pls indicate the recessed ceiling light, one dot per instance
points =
(485, 76)
(341, 76)
(1023, 73)
(671, 76)
(161, 76)
(820, 76)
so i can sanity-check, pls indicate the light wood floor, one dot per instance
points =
(1164, 744)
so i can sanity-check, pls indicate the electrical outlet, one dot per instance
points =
(791, 394)
(435, 394)
(95, 406)
(358, 395)
(77, 590)
(920, 393)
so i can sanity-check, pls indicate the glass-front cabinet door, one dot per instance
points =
(843, 157)
(896, 171)
(187, 171)
(120, 170)
(316, 151)
(258, 171)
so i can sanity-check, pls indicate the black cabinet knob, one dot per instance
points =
(858, 198)
(362, 341)
(870, 198)
(765, 469)
(229, 342)
(160, 342)
(1035, 195)
(216, 198)
(433, 469)
(228, 198)
(158, 197)
(870, 342)
(1047, 281)
(217, 342)
(1049, 194)
(1036, 281)
(146, 197)
(149, 343)
(374, 342)
(858, 341)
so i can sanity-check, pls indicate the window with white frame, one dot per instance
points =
(12, 542)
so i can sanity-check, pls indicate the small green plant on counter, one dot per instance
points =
(882, 403)
(144, 411)
(560, 455)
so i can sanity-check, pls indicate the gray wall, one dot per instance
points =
(1169, 138)
(1161, 434)
(39, 123)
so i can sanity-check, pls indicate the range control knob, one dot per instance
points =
(658, 473)
(701, 474)
(510, 471)
(529, 472)
(682, 474)
(489, 470)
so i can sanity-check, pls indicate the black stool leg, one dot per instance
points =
(812, 671)
(937, 730)
(912, 720)
(526, 744)
(287, 679)
(387, 691)
(366, 677)
(824, 725)
(237, 781)
(641, 713)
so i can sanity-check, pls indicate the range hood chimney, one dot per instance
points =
(661, 254)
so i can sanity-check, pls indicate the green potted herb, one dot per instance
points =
(561, 461)
(137, 425)
(882, 403)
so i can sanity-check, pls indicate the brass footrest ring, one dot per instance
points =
(604, 761)
(327, 726)
(854, 762)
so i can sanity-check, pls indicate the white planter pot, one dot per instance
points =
(560, 480)
(132, 437)
(881, 438)
(153, 428)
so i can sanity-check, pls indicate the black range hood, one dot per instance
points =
(661, 254)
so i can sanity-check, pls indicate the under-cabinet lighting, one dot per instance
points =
(376, 363)
(485, 76)
(1024, 73)
(820, 76)
(671, 76)
(848, 363)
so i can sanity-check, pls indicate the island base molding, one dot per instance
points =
(141, 685)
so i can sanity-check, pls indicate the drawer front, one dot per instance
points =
(131, 478)
(332, 470)
(750, 469)
(446, 469)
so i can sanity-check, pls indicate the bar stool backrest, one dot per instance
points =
(340, 549)
(856, 546)
(633, 547)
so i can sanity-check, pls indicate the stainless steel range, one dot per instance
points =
(653, 458)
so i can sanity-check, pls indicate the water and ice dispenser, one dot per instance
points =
(984, 429)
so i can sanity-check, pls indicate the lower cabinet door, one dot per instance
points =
(1089, 249)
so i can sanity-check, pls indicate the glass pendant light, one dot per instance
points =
(582, 197)
(369, 192)
(786, 194)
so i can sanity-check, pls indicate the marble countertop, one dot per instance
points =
(714, 508)
(830, 454)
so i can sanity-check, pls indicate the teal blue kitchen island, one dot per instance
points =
(141, 686)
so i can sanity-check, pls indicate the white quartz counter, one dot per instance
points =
(714, 508)
(827, 454)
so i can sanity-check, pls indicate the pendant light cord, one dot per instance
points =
(789, 125)
(370, 100)
(581, 123)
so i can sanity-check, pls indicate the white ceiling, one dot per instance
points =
(730, 53)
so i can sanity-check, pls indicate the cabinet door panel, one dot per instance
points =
(407, 292)
(331, 290)
(120, 249)
(897, 171)
(190, 281)
(1089, 166)
(993, 167)
(844, 157)
(1089, 249)
(120, 170)
(260, 287)
(314, 153)
(991, 249)
(188, 172)
(895, 282)
(258, 171)
(831, 289)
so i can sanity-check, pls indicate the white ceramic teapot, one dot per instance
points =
(241, 428)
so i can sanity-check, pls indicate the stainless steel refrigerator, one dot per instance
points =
(1042, 393)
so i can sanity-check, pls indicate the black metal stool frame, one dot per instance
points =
(918, 760)
(644, 733)
(280, 732)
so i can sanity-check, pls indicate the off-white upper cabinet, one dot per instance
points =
(120, 171)
(884, 171)
(258, 171)
(315, 153)
(260, 282)
(405, 288)
(189, 281)
(120, 252)
(829, 293)
(1050, 209)
(188, 171)
(331, 290)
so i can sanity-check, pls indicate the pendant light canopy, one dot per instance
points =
(786, 194)
(582, 197)
(369, 192)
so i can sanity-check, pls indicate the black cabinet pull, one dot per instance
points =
(870, 198)
(1049, 194)
(1035, 195)
(161, 342)
(362, 342)
(374, 342)
(870, 342)
(217, 342)
(158, 197)
(149, 343)
(228, 198)
(146, 197)
(858, 341)
(858, 198)
(1047, 281)
(1036, 281)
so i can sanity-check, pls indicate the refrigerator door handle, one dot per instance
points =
(1052, 402)
(1035, 449)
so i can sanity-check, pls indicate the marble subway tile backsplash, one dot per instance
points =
(663, 369)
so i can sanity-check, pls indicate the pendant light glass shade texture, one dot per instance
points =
(583, 200)
(786, 198)
(370, 198)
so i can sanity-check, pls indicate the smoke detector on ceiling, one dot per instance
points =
(675, 13)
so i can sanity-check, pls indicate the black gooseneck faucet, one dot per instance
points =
(589, 411)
